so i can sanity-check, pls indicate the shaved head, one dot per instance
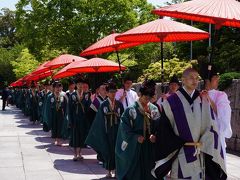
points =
(188, 71)
(190, 79)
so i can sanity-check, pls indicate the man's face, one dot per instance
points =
(85, 87)
(146, 99)
(111, 94)
(173, 87)
(79, 86)
(191, 80)
(127, 84)
(57, 89)
(71, 87)
(215, 82)
(102, 90)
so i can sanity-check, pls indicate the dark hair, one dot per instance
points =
(212, 74)
(111, 86)
(70, 82)
(174, 79)
(46, 83)
(83, 81)
(148, 88)
(56, 84)
(127, 78)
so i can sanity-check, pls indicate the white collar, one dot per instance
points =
(191, 95)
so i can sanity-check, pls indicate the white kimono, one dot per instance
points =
(130, 99)
(223, 116)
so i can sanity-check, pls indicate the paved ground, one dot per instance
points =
(27, 153)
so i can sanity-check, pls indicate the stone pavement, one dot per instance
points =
(27, 153)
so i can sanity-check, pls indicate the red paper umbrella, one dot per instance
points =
(162, 30)
(64, 73)
(41, 68)
(63, 60)
(94, 65)
(38, 77)
(219, 12)
(108, 44)
(19, 82)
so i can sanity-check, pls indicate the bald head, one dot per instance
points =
(188, 71)
(190, 78)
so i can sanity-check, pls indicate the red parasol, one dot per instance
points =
(19, 82)
(63, 60)
(94, 65)
(38, 77)
(64, 73)
(218, 12)
(108, 44)
(41, 68)
(162, 30)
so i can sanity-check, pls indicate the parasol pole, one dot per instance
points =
(119, 63)
(162, 69)
(120, 69)
(213, 47)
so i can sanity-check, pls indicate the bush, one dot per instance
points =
(226, 79)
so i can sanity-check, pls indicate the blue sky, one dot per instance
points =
(11, 3)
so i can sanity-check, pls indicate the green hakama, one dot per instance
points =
(33, 106)
(78, 109)
(56, 107)
(103, 133)
(135, 160)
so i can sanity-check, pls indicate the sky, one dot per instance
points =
(11, 3)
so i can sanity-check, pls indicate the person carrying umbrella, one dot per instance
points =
(126, 95)
(220, 110)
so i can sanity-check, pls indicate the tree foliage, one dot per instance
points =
(7, 28)
(172, 67)
(76, 24)
(24, 64)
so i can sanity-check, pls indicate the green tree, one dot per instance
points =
(24, 64)
(6, 56)
(7, 28)
(171, 67)
(73, 25)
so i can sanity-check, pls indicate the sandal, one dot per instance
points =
(108, 176)
(75, 158)
(80, 158)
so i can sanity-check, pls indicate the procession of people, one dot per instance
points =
(179, 135)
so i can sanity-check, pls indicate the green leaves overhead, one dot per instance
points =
(76, 24)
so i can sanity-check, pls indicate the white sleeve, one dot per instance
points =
(135, 96)
(119, 94)
(224, 114)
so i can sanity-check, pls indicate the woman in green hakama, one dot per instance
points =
(135, 147)
(103, 133)
(79, 103)
(56, 106)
